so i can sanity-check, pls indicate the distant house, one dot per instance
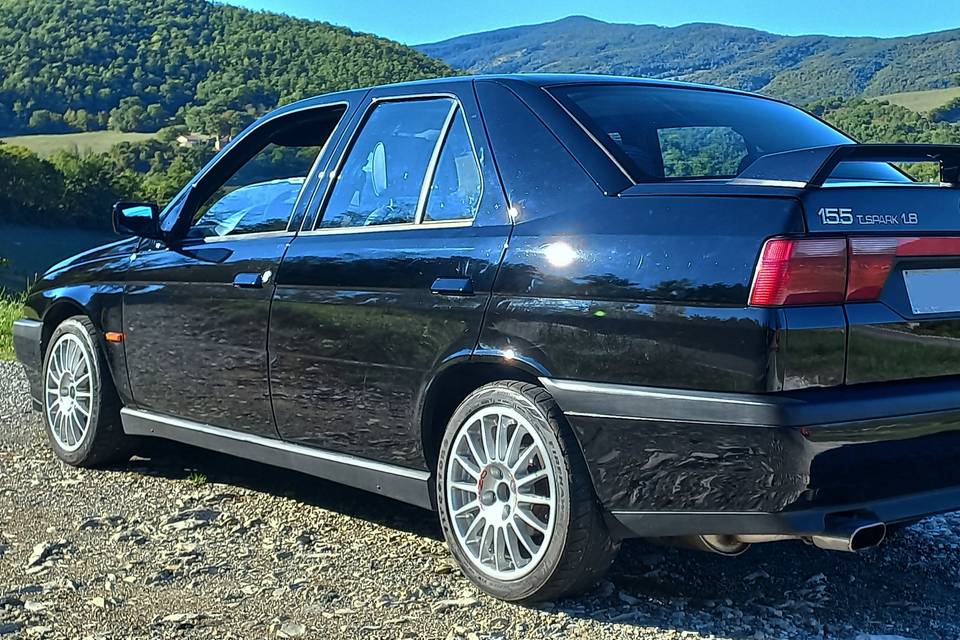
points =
(193, 139)
(197, 139)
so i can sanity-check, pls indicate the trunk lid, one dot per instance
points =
(903, 246)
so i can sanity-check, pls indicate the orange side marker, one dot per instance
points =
(113, 336)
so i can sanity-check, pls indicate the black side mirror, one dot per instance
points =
(137, 218)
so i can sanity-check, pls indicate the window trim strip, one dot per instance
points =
(397, 226)
(432, 164)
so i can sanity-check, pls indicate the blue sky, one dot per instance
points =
(431, 20)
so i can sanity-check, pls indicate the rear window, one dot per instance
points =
(664, 133)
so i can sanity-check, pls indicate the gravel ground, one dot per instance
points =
(190, 544)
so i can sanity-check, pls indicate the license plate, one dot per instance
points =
(933, 290)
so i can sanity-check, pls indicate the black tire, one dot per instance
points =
(103, 442)
(581, 549)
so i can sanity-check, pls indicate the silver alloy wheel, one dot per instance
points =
(501, 493)
(68, 393)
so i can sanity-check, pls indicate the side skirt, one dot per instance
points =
(407, 485)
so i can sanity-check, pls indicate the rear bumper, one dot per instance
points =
(667, 462)
(27, 342)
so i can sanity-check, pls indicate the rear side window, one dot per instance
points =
(382, 178)
(457, 184)
(671, 133)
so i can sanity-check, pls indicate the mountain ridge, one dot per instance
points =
(800, 68)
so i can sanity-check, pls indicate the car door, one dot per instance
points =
(196, 309)
(392, 278)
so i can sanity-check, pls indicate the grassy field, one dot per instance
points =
(10, 310)
(922, 101)
(86, 142)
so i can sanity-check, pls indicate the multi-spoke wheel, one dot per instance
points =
(516, 503)
(68, 396)
(80, 406)
(501, 492)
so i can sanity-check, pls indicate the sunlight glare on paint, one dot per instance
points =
(560, 254)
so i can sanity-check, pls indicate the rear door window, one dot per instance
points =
(457, 184)
(383, 175)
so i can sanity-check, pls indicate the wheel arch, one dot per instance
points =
(454, 382)
(67, 306)
(55, 314)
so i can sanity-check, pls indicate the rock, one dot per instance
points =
(190, 519)
(291, 629)
(305, 539)
(33, 606)
(182, 620)
(7, 628)
(132, 536)
(98, 602)
(10, 600)
(756, 575)
(101, 522)
(457, 603)
(39, 630)
(45, 551)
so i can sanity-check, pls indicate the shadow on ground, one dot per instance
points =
(910, 586)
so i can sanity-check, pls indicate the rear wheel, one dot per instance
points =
(516, 504)
(81, 410)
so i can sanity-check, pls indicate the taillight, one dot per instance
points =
(871, 260)
(802, 271)
(798, 271)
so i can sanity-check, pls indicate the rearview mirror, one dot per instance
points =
(137, 218)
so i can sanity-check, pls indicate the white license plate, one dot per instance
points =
(933, 290)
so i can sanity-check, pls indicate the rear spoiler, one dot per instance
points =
(810, 168)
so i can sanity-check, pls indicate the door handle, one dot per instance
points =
(248, 281)
(452, 287)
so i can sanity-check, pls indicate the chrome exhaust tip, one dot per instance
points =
(852, 538)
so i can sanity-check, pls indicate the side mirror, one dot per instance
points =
(137, 218)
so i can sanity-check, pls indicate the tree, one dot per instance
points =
(129, 116)
(43, 121)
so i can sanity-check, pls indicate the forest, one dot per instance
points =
(82, 65)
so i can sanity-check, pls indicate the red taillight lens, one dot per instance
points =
(831, 270)
(800, 271)
(871, 260)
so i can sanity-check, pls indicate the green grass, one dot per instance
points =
(11, 308)
(86, 142)
(922, 101)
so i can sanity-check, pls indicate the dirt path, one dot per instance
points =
(190, 544)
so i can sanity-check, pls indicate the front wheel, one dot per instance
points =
(516, 504)
(81, 410)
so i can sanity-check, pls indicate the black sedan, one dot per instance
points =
(560, 310)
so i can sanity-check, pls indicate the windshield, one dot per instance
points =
(669, 133)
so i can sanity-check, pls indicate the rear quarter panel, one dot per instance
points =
(649, 288)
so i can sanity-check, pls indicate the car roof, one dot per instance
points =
(534, 79)
(554, 79)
